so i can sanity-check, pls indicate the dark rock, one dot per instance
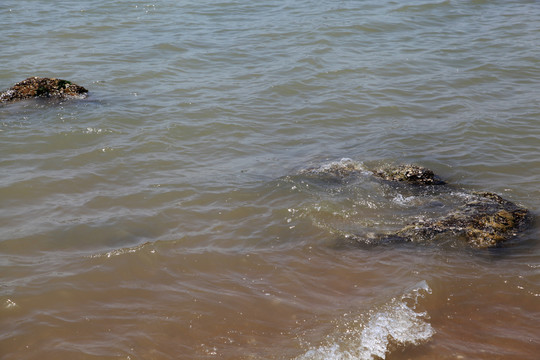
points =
(35, 87)
(486, 220)
(412, 174)
(480, 219)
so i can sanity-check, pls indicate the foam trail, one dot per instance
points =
(394, 323)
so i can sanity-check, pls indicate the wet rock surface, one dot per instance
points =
(408, 173)
(480, 219)
(486, 220)
(38, 87)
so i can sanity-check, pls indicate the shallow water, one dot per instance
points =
(167, 215)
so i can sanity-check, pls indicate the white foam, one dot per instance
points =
(394, 323)
(6, 95)
(9, 304)
(343, 164)
(122, 251)
(403, 200)
(90, 130)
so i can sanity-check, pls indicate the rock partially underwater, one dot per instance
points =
(337, 171)
(37, 87)
(480, 219)
(412, 174)
(487, 220)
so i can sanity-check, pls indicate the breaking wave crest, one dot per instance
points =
(394, 324)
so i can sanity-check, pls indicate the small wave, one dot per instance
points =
(396, 323)
(122, 251)
(403, 200)
(340, 168)
(8, 304)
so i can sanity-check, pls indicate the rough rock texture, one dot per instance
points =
(486, 220)
(409, 173)
(42, 87)
(483, 220)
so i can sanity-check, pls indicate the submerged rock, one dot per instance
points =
(35, 87)
(337, 169)
(486, 220)
(480, 219)
(409, 173)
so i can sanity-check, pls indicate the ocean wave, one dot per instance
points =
(337, 168)
(122, 251)
(374, 334)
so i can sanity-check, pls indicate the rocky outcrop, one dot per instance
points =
(486, 220)
(412, 174)
(37, 87)
(481, 219)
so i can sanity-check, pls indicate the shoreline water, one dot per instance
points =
(164, 217)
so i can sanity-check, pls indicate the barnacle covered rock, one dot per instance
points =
(35, 87)
(486, 220)
(412, 174)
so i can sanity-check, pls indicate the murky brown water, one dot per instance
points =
(167, 216)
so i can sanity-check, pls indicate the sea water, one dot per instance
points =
(175, 213)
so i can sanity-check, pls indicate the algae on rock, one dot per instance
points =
(38, 87)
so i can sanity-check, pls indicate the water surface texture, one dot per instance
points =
(167, 216)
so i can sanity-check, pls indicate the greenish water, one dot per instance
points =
(164, 217)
